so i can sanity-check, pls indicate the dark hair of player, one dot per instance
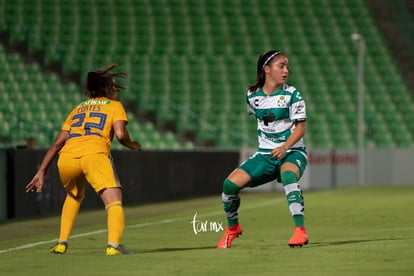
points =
(263, 60)
(101, 82)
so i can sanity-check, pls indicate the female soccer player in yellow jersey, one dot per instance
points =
(281, 114)
(83, 145)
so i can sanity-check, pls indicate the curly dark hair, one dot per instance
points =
(99, 83)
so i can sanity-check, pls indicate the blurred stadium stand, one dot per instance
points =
(189, 63)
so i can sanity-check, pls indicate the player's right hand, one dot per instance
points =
(36, 185)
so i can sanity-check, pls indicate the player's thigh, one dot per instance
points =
(239, 177)
(99, 171)
(261, 169)
(296, 162)
(71, 175)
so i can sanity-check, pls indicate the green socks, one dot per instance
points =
(294, 197)
(231, 199)
(231, 202)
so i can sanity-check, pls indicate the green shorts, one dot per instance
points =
(263, 167)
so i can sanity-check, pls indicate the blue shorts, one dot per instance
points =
(263, 167)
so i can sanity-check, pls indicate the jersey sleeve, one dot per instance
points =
(119, 112)
(67, 123)
(249, 107)
(298, 108)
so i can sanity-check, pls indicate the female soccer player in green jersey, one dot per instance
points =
(83, 144)
(281, 114)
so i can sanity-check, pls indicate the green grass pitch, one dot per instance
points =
(353, 231)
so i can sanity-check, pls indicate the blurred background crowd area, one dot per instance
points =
(189, 63)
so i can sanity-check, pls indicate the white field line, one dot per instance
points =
(141, 225)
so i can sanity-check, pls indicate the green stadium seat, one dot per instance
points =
(199, 55)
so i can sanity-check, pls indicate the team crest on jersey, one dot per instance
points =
(281, 101)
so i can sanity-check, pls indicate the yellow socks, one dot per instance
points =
(116, 222)
(70, 211)
(116, 219)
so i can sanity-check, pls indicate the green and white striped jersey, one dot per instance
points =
(276, 114)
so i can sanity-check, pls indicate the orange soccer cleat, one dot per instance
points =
(231, 233)
(299, 238)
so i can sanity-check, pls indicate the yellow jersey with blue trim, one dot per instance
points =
(90, 126)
